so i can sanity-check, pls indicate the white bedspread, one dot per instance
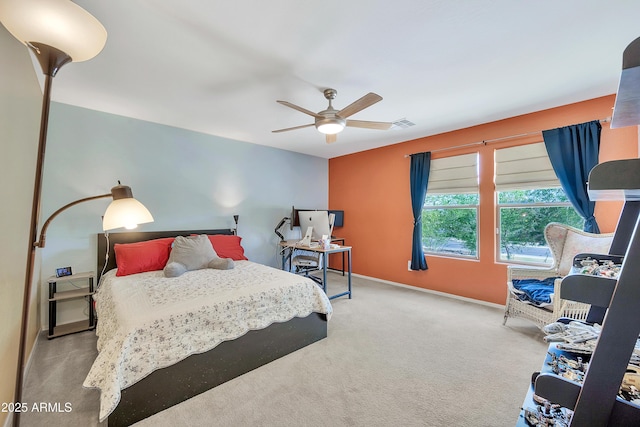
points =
(147, 322)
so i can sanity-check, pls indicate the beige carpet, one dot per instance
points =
(393, 357)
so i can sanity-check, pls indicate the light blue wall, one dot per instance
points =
(187, 180)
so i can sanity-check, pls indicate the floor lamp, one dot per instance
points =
(58, 32)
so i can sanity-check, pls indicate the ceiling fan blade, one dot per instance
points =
(366, 101)
(293, 128)
(332, 138)
(369, 125)
(296, 107)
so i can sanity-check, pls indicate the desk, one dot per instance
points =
(290, 245)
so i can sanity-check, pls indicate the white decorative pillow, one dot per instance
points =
(193, 253)
(578, 243)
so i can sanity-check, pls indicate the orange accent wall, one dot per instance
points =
(372, 187)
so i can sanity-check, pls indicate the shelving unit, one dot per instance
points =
(595, 401)
(56, 297)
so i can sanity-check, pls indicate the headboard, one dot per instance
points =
(139, 236)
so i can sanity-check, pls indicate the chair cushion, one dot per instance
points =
(578, 243)
(535, 291)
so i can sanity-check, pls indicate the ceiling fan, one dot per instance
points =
(332, 121)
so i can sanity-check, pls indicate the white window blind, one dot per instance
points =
(454, 175)
(524, 167)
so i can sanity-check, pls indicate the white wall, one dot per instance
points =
(187, 180)
(20, 101)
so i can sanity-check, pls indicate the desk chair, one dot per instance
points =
(304, 264)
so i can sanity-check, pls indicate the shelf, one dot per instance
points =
(564, 392)
(626, 111)
(588, 289)
(78, 276)
(75, 293)
(615, 180)
(56, 297)
(595, 400)
(70, 328)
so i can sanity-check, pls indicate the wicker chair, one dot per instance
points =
(565, 243)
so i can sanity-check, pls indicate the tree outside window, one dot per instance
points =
(523, 215)
(450, 224)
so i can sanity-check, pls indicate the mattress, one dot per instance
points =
(147, 322)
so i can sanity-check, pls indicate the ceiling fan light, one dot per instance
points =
(330, 126)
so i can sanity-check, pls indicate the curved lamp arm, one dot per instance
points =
(43, 233)
(124, 211)
(279, 226)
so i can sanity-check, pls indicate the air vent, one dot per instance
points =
(402, 124)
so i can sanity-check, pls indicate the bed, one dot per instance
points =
(157, 349)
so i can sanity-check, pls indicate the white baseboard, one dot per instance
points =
(27, 365)
(430, 291)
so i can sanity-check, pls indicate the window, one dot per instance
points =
(450, 212)
(529, 197)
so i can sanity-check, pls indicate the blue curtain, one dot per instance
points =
(573, 151)
(420, 166)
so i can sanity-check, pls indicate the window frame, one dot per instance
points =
(454, 175)
(476, 207)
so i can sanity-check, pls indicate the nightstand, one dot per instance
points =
(56, 297)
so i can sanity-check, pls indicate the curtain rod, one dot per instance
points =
(489, 141)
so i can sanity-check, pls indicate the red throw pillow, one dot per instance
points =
(227, 246)
(139, 257)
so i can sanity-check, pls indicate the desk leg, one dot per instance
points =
(52, 309)
(325, 259)
(349, 279)
(283, 256)
(287, 255)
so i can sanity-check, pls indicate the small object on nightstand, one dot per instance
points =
(63, 271)
(56, 297)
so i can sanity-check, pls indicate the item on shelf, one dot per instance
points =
(547, 414)
(575, 370)
(580, 338)
(603, 268)
(63, 271)
(572, 333)
(629, 390)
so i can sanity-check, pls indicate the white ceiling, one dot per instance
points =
(218, 67)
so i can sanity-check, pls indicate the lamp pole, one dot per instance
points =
(51, 60)
(79, 36)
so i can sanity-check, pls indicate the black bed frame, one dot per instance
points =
(201, 372)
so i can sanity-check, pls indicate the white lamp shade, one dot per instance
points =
(61, 24)
(127, 212)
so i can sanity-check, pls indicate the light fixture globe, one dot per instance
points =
(330, 124)
(60, 24)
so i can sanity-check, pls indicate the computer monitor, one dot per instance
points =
(295, 222)
(319, 220)
(339, 217)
